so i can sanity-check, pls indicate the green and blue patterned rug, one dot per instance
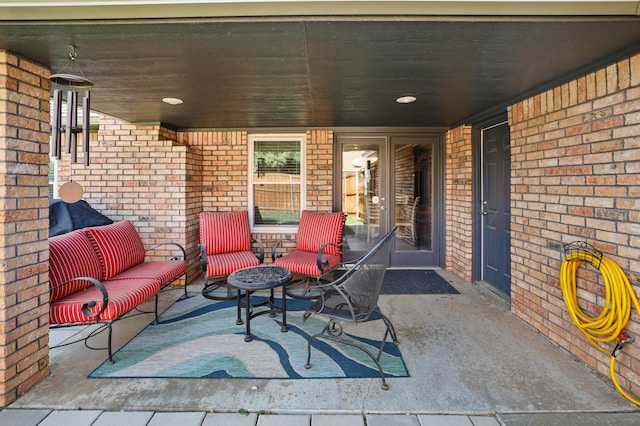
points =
(199, 338)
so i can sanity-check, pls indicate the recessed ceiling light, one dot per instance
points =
(172, 101)
(406, 99)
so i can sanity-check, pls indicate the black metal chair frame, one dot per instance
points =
(353, 297)
(213, 284)
(308, 287)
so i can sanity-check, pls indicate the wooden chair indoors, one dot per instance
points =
(225, 247)
(407, 223)
(318, 251)
(353, 297)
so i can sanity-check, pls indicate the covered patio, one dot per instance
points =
(564, 78)
(467, 355)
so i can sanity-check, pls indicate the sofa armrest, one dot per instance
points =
(182, 250)
(86, 307)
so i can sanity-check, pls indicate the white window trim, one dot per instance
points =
(300, 137)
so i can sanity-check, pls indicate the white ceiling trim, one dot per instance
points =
(38, 10)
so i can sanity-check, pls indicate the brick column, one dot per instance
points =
(24, 225)
(459, 202)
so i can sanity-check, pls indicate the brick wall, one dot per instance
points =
(141, 173)
(24, 225)
(224, 173)
(459, 202)
(576, 176)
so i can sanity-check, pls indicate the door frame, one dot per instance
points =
(477, 188)
(406, 260)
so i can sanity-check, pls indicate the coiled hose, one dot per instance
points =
(608, 325)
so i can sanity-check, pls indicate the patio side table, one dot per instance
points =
(255, 278)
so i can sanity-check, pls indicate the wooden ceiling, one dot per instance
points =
(324, 72)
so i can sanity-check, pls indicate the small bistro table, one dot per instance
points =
(255, 278)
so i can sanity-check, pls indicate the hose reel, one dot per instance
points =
(609, 324)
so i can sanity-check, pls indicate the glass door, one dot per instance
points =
(362, 185)
(414, 175)
(386, 181)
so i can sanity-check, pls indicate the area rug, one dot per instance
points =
(199, 338)
(415, 281)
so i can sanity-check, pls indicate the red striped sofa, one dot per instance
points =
(99, 274)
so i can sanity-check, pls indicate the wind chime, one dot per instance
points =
(72, 84)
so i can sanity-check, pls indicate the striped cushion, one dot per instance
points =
(226, 263)
(165, 271)
(318, 228)
(306, 262)
(123, 297)
(225, 232)
(71, 256)
(119, 247)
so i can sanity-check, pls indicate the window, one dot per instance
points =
(276, 181)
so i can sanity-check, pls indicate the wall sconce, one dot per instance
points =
(72, 83)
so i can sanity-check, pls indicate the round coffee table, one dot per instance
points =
(255, 278)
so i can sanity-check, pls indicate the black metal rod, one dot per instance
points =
(70, 109)
(57, 117)
(74, 127)
(86, 122)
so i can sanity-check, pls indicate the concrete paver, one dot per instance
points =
(284, 420)
(71, 418)
(177, 418)
(337, 420)
(392, 420)
(446, 420)
(129, 418)
(230, 419)
(23, 417)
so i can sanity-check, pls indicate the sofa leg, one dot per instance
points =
(155, 321)
(109, 348)
(186, 280)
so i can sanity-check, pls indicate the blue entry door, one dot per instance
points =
(495, 209)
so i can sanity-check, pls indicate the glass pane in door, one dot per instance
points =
(362, 198)
(413, 196)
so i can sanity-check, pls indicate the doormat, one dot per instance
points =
(415, 281)
(199, 338)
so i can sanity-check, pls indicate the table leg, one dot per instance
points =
(284, 327)
(272, 305)
(239, 320)
(247, 337)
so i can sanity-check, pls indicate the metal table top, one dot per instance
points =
(259, 278)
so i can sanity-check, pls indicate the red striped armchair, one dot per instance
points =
(225, 247)
(318, 251)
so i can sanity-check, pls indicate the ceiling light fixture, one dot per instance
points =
(172, 101)
(406, 99)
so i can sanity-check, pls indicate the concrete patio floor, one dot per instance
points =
(467, 355)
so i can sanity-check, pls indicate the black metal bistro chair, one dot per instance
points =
(353, 297)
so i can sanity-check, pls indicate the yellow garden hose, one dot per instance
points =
(608, 325)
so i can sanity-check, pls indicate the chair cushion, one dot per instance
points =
(225, 232)
(164, 270)
(119, 247)
(317, 228)
(226, 263)
(124, 295)
(71, 256)
(306, 262)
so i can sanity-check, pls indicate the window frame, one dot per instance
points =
(275, 137)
